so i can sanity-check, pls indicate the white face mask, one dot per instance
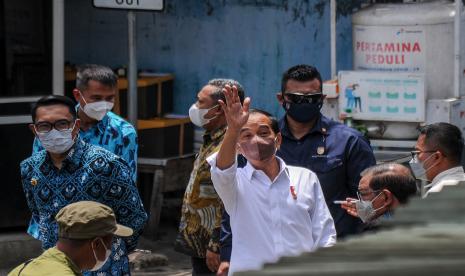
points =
(197, 115)
(98, 263)
(365, 210)
(56, 141)
(418, 168)
(96, 110)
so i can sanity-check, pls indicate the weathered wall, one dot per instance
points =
(253, 41)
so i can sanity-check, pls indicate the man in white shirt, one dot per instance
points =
(276, 210)
(437, 156)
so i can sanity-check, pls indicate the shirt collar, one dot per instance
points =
(455, 173)
(214, 135)
(61, 256)
(250, 170)
(321, 126)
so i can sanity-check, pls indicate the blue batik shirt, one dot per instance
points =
(112, 133)
(88, 173)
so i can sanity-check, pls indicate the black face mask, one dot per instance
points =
(303, 112)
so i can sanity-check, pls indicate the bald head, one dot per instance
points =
(394, 177)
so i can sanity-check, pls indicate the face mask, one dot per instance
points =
(259, 148)
(56, 141)
(417, 167)
(197, 115)
(98, 263)
(303, 112)
(365, 209)
(96, 110)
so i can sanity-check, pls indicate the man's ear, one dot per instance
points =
(238, 149)
(77, 127)
(218, 110)
(389, 197)
(440, 155)
(32, 128)
(279, 140)
(280, 97)
(77, 95)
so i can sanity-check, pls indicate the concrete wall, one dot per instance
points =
(252, 41)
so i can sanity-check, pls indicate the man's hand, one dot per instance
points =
(349, 206)
(213, 260)
(236, 114)
(224, 269)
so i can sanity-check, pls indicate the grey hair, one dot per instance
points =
(99, 73)
(220, 84)
(394, 177)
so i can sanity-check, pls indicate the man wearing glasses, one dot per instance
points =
(382, 189)
(95, 91)
(71, 170)
(335, 152)
(437, 156)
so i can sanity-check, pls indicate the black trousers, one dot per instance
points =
(199, 267)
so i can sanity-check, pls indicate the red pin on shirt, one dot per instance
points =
(293, 193)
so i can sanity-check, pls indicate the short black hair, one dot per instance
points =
(446, 138)
(95, 72)
(53, 100)
(220, 84)
(274, 123)
(301, 72)
(385, 176)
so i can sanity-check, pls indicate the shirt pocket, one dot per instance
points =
(331, 174)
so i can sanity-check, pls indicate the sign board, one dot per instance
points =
(377, 96)
(389, 48)
(151, 5)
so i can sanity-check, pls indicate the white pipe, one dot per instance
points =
(332, 7)
(58, 86)
(457, 56)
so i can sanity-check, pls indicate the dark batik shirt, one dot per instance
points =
(88, 173)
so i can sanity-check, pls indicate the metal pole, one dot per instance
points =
(58, 78)
(332, 7)
(457, 57)
(132, 69)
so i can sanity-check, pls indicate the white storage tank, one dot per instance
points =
(408, 37)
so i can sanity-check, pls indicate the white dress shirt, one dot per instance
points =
(446, 178)
(268, 220)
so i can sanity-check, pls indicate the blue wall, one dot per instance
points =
(252, 41)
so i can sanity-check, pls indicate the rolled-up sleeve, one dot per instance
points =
(323, 230)
(225, 183)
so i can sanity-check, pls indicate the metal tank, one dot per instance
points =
(407, 37)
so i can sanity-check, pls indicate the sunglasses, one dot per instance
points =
(297, 97)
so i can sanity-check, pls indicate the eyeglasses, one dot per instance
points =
(415, 153)
(297, 97)
(60, 125)
(363, 194)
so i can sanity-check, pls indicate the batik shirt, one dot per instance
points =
(200, 224)
(88, 173)
(113, 134)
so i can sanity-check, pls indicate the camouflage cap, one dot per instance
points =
(87, 220)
